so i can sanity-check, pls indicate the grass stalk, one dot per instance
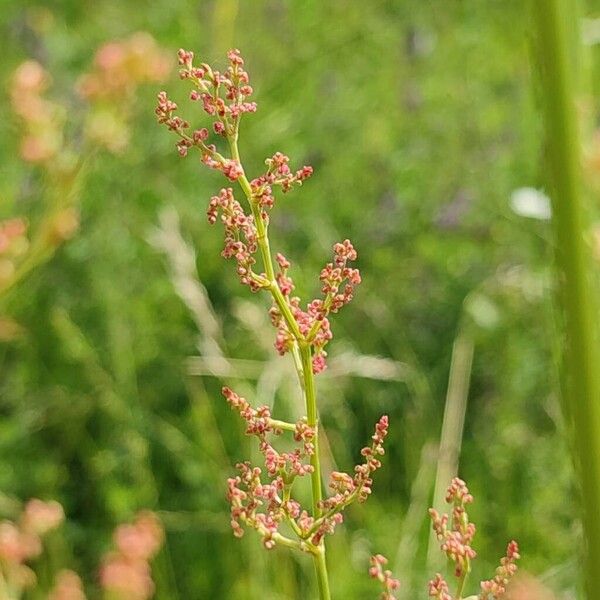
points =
(558, 47)
(452, 429)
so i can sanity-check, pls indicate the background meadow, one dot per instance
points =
(422, 122)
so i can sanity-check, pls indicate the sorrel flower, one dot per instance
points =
(384, 576)
(303, 330)
(455, 534)
(438, 588)
(496, 587)
(455, 541)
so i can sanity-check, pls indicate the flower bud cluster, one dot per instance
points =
(495, 588)
(455, 534)
(125, 572)
(21, 542)
(455, 541)
(313, 323)
(42, 120)
(240, 235)
(304, 433)
(384, 576)
(223, 95)
(278, 174)
(438, 588)
(246, 492)
(347, 488)
(258, 421)
(165, 114)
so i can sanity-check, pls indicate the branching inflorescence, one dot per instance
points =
(301, 330)
(455, 534)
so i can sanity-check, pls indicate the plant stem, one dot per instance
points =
(277, 424)
(557, 22)
(452, 428)
(303, 369)
(321, 571)
(461, 585)
(312, 421)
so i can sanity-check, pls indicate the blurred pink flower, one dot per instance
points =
(68, 587)
(131, 580)
(42, 123)
(41, 517)
(140, 540)
(17, 546)
(126, 573)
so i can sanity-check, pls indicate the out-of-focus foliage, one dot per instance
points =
(420, 120)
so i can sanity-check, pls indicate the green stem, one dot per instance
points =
(312, 421)
(277, 424)
(282, 540)
(461, 584)
(557, 22)
(302, 355)
(321, 571)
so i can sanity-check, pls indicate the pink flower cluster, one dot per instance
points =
(313, 323)
(247, 493)
(347, 488)
(223, 95)
(21, 542)
(456, 535)
(495, 588)
(438, 588)
(384, 576)
(305, 332)
(456, 540)
(278, 174)
(125, 573)
(240, 235)
(258, 420)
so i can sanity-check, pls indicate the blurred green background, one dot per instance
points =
(421, 120)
